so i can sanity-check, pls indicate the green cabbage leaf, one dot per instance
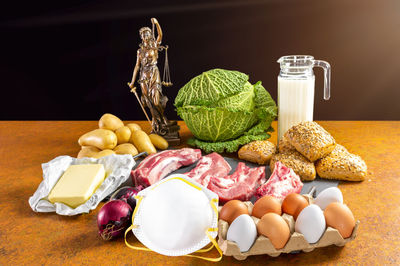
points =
(210, 87)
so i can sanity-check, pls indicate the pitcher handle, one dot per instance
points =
(327, 77)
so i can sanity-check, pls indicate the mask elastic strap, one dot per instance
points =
(129, 245)
(214, 243)
(139, 200)
(181, 179)
(214, 207)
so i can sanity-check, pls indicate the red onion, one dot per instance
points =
(127, 194)
(113, 218)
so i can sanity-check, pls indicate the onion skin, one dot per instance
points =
(113, 218)
(127, 194)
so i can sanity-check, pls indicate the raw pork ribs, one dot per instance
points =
(240, 185)
(156, 166)
(282, 182)
(212, 165)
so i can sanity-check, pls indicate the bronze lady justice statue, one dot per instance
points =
(150, 83)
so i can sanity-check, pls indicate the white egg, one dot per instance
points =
(243, 231)
(311, 223)
(327, 196)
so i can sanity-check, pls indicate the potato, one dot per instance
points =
(87, 151)
(111, 122)
(103, 153)
(142, 142)
(100, 138)
(126, 148)
(158, 141)
(123, 134)
(133, 127)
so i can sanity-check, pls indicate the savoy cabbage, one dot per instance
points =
(223, 110)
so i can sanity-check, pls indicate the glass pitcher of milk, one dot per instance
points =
(296, 83)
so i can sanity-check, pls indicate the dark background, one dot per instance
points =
(70, 60)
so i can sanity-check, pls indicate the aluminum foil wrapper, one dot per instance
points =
(117, 168)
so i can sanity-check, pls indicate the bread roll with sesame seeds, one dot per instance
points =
(311, 140)
(258, 151)
(300, 164)
(284, 146)
(343, 165)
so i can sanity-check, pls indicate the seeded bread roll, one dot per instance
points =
(259, 151)
(311, 140)
(341, 164)
(300, 165)
(284, 146)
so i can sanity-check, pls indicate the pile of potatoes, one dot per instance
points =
(113, 137)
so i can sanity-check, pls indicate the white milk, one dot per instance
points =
(295, 102)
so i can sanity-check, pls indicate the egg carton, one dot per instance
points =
(296, 242)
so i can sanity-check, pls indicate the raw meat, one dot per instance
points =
(282, 182)
(212, 165)
(240, 185)
(156, 166)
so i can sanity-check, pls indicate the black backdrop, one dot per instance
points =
(70, 60)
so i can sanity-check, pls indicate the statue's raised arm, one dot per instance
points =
(159, 31)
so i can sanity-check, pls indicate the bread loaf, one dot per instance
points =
(259, 151)
(311, 140)
(284, 145)
(300, 164)
(341, 164)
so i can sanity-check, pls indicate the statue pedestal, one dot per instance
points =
(170, 132)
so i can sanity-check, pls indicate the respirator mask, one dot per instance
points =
(175, 217)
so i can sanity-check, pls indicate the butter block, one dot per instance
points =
(77, 184)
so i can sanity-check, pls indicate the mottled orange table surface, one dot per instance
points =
(31, 238)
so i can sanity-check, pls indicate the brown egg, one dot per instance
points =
(293, 204)
(340, 217)
(232, 209)
(265, 205)
(275, 228)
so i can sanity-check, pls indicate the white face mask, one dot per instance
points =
(176, 216)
